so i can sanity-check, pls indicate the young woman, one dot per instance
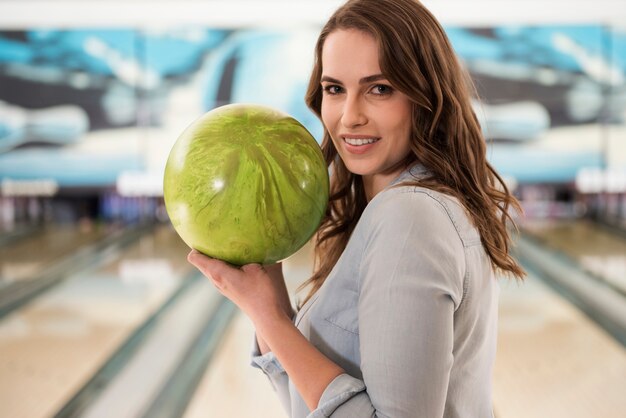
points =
(400, 320)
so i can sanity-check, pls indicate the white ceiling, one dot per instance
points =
(237, 13)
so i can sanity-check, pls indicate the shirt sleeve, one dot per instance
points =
(412, 273)
(269, 364)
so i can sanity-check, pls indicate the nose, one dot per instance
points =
(353, 112)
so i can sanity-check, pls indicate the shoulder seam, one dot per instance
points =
(445, 207)
(465, 245)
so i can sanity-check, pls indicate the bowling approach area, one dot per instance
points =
(104, 317)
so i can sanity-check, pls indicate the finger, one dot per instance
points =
(219, 285)
(217, 270)
(196, 258)
(252, 269)
(274, 270)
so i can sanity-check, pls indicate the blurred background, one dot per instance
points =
(100, 314)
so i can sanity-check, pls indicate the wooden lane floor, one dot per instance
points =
(231, 387)
(552, 361)
(594, 249)
(10, 234)
(28, 257)
(52, 346)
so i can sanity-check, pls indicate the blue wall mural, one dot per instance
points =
(76, 105)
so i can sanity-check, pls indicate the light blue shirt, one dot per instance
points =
(409, 312)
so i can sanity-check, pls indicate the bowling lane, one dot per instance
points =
(597, 251)
(552, 360)
(230, 387)
(27, 258)
(10, 234)
(51, 347)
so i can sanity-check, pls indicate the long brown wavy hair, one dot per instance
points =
(418, 60)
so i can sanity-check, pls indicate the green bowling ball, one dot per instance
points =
(246, 184)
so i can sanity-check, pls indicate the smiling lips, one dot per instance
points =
(358, 144)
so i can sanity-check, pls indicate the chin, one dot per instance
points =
(361, 168)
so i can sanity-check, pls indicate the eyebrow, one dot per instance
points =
(364, 80)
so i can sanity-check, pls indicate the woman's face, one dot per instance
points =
(368, 120)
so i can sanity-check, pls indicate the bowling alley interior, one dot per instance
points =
(101, 314)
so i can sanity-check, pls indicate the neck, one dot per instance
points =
(375, 183)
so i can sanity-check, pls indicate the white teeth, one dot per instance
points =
(360, 141)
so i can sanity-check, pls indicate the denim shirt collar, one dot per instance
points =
(414, 172)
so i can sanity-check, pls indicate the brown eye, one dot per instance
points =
(381, 89)
(332, 89)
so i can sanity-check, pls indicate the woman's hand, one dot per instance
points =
(259, 291)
